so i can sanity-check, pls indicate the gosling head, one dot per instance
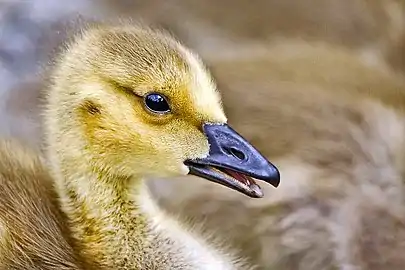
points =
(139, 104)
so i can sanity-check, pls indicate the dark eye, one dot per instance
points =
(157, 103)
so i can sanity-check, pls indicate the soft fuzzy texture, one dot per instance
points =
(34, 234)
(102, 141)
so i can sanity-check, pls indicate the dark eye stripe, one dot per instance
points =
(157, 103)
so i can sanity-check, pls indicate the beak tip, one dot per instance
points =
(273, 176)
(276, 183)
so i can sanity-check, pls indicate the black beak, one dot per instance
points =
(232, 161)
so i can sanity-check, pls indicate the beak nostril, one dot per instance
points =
(235, 152)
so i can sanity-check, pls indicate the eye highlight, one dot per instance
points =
(157, 103)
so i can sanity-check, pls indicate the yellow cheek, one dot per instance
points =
(184, 170)
(198, 146)
(191, 145)
(175, 169)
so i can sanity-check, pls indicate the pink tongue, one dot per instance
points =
(240, 177)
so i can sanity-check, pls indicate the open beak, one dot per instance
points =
(232, 162)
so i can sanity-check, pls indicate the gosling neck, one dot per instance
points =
(104, 213)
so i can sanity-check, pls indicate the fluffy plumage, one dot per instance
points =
(102, 143)
(33, 231)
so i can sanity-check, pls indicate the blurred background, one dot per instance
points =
(282, 66)
(31, 29)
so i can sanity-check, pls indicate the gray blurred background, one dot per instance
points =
(30, 30)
